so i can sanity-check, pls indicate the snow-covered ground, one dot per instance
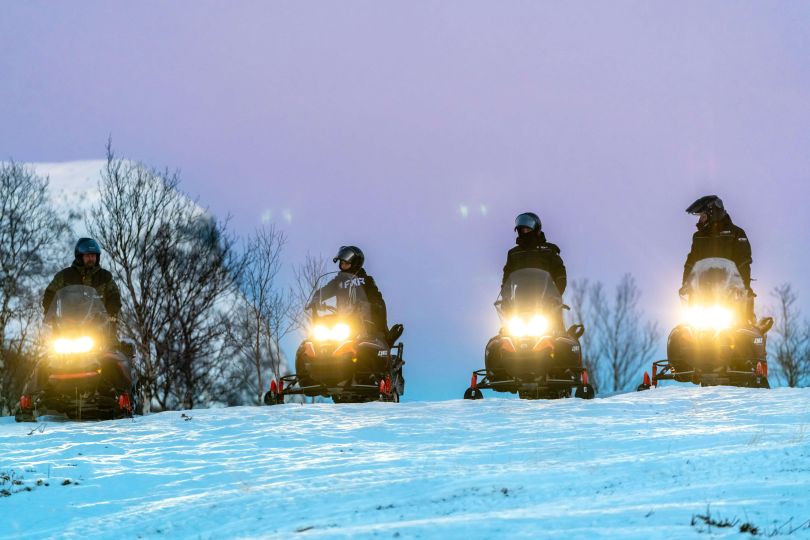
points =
(639, 465)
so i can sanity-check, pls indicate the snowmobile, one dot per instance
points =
(532, 355)
(717, 344)
(344, 356)
(86, 374)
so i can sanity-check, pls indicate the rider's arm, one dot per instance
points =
(690, 262)
(558, 273)
(507, 269)
(56, 283)
(378, 310)
(112, 298)
(742, 256)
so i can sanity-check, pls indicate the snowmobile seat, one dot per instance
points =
(394, 334)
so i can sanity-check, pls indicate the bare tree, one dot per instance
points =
(198, 269)
(581, 313)
(304, 284)
(266, 316)
(307, 275)
(176, 267)
(791, 342)
(32, 237)
(619, 341)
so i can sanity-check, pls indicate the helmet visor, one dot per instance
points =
(525, 220)
(346, 254)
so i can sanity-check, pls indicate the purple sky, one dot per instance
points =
(374, 122)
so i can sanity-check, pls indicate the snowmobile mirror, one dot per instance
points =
(765, 324)
(566, 306)
(576, 331)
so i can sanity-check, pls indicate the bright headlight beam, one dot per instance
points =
(321, 332)
(714, 317)
(339, 332)
(73, 346)
(536, 326)
(517, 327)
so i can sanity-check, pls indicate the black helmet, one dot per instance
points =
(530, 220)
(710, 205)
(86, 245)
(352, 255)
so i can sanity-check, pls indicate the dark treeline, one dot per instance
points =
(206, 311)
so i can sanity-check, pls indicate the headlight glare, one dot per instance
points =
(517, 327)
(536, 326)
(321, 332)
(73, 346)
(710, 317)
(339, 332)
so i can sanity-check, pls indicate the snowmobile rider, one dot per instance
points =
(350, 259)
(86, 270)
(533, 251)
(717, 236)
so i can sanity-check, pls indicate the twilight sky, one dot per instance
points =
(418, 130)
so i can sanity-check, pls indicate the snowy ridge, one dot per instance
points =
(637, 465)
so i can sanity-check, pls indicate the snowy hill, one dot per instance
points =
(639, 465)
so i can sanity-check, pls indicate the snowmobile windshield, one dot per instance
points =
(715, 280)
(76, 305)
(530, 289)
(342, 293)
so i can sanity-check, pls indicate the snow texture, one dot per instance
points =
(638, 465)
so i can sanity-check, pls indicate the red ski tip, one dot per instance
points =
(760, 370)
(584, 377)
(646, 379)
(280, 386)
(273, 387)
(474, 381)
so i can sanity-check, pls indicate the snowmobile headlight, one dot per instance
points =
(339, 332)
(321, 333)
(710, 317)
(535, 327)
(73, 346)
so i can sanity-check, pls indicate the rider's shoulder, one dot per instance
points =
(554, 248)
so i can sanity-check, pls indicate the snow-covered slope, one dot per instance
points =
(640, 465)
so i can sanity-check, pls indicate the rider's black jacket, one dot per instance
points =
(532, 251)
(379, 314)
(721, 239)
(78, 274)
